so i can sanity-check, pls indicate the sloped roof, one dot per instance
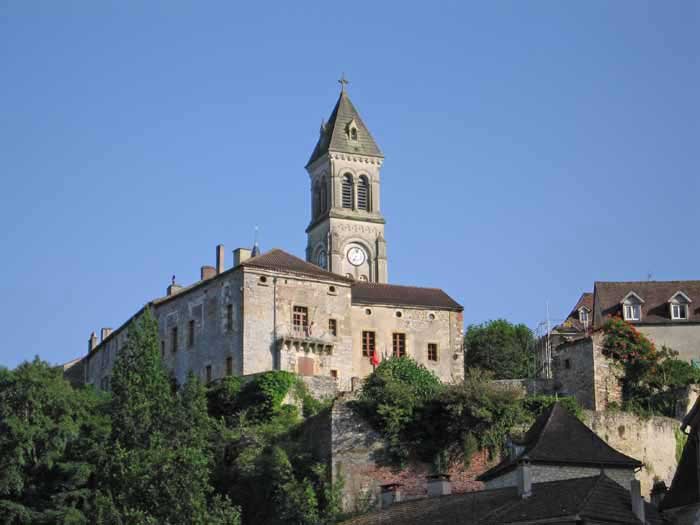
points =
(573, 321)
(655, 310)
(281, 261)
(396, 295)
(557, 437)
(596, 498)
(335, 133)
(466, 508)
(685, 487)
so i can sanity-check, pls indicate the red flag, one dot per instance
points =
(374, 359)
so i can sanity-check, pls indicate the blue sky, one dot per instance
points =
(531, 147)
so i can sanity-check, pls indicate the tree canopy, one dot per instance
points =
(503, 348)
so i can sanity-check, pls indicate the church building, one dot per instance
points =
(333, 314)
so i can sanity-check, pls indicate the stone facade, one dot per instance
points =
(241, 322)
(543, 473)
(581, 370)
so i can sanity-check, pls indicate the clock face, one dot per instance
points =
(356, 256)
(322, 259)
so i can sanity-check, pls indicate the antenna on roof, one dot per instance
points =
(256, 247)
(649, 277)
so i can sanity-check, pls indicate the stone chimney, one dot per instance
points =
(391, 493)
(637, 500)
(104, 334)
(219, 258)
(92, 342)
(439, 485)
(173, 288)
(240, 255)
(524, 475)
(207, 272)
(658, 491)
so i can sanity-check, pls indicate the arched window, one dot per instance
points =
(316, 205)
(348, 192)
(324, 195)
(363, 194)
(353, 133)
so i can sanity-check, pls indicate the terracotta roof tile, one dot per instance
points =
(597, 498)
(281, 261)
(395, 295)
(655, 310)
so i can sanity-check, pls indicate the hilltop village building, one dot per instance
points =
(325, 316)
(667, 312)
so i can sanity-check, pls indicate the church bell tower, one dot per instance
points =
(346, 232)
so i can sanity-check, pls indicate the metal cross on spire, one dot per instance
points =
(343, 82)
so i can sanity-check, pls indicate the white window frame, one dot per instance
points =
(677, 309)
(584, 316)
(629, 310)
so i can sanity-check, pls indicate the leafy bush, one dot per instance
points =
(651, 376)
(392, 394)
(441, 424)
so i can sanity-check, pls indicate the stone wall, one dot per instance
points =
(652, 441)
(271, 341)
(544, 473)
(356, 456)
(421, 326)
(357, 459)
(581, 370)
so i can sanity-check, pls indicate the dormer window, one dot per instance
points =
(632, 307)
(679, 306)
(352, 130)
(583, 316)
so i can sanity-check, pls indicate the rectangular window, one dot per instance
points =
(190, 334)
(162, 349)
(567, 363)
(432, 352)
(229, 317)
(229, 366)
(632, 312)
(367, 343)
(334, 374)
(583, 316)
(679, 311)
(333, 327)
(173, 339)
(398, 344)
(300, 318)
(208, 373)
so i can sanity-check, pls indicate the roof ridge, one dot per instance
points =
(544, 427)
(367, 283)
(592, 490)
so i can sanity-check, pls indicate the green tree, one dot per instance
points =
(51, 437)
(160, 461)
(500, 347)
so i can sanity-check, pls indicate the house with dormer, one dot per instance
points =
(667, 312)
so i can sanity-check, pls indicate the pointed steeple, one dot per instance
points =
(345, 132)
